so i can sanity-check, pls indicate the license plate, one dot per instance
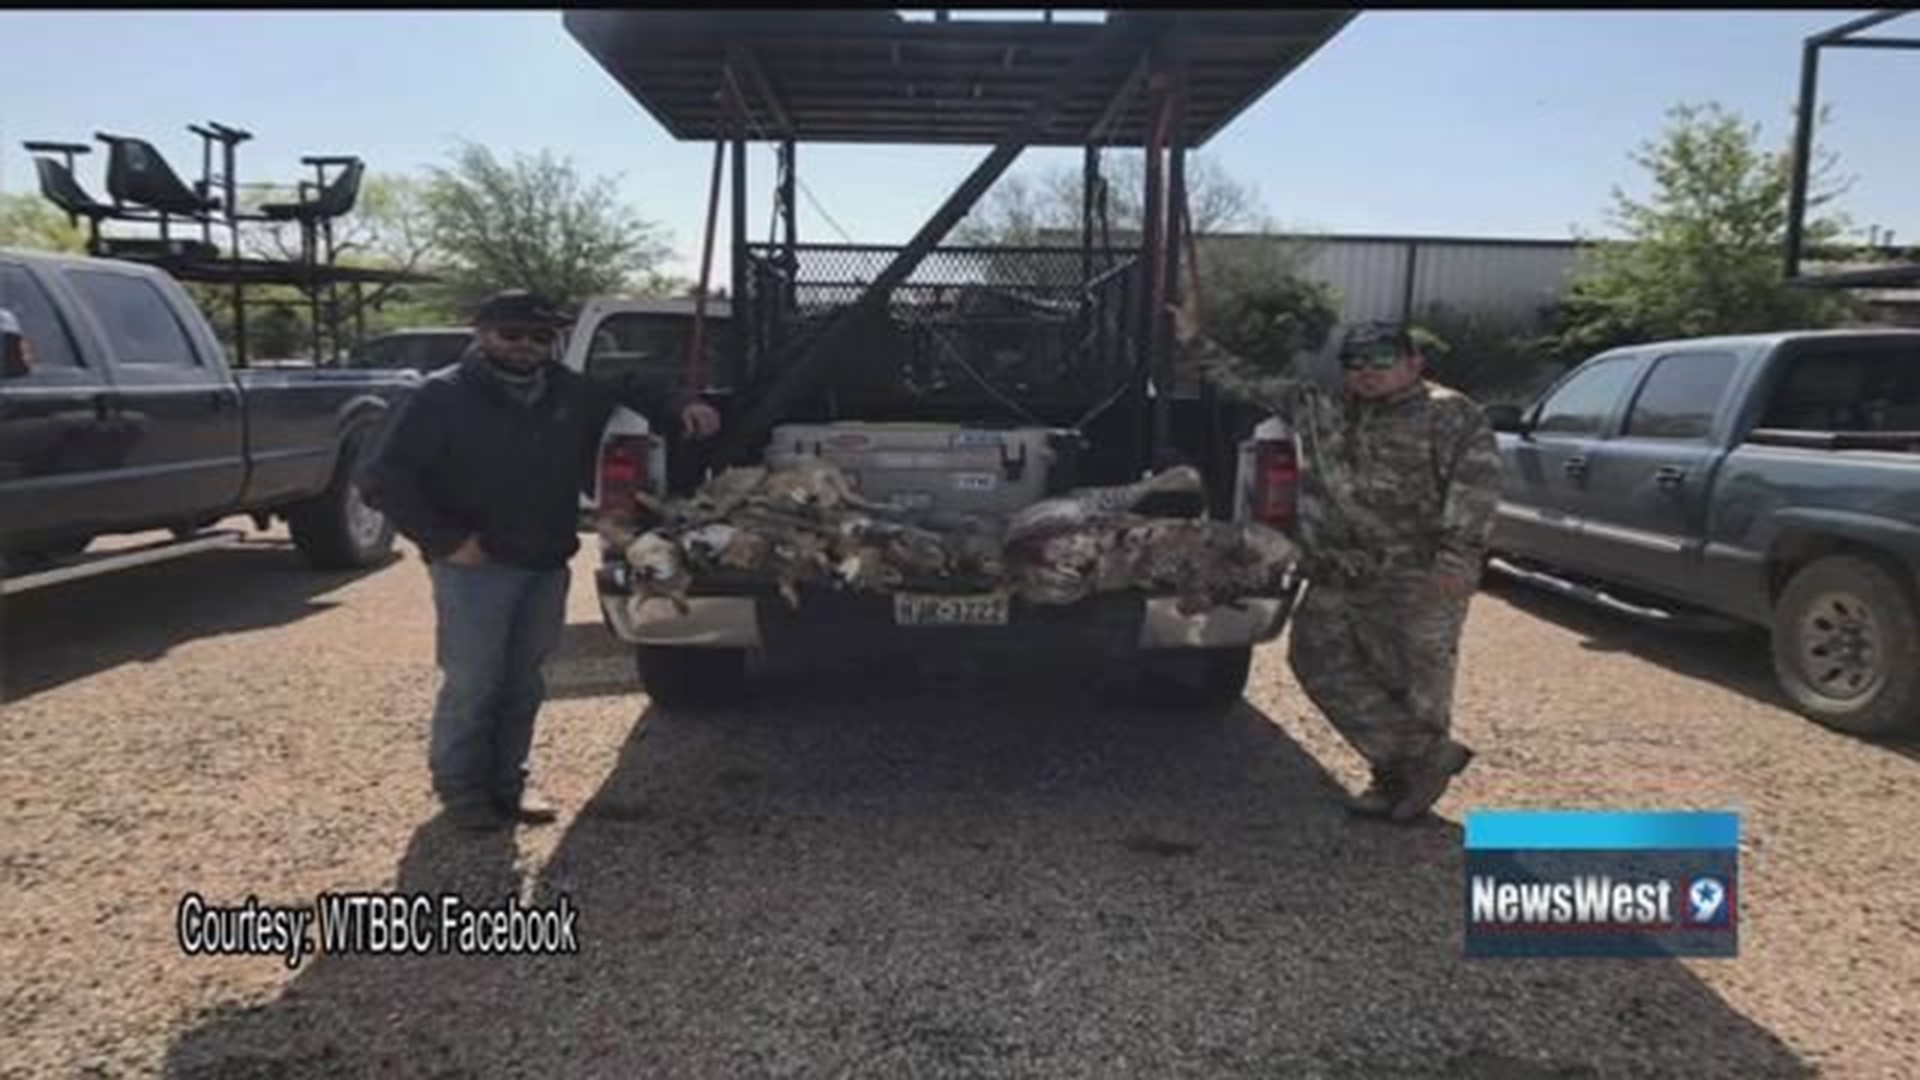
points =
(987, 609)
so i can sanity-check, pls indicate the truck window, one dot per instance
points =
(414, 353)
(655, 348)
(1583, 403)
(381, 353)
(439, 350)
(140, 324)
(1681, 396)
(1856, 387)
(48, 343)
(377, 353)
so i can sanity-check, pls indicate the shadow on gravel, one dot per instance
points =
(1737, 659)
(590, 662)
(55, 635)
(863, 876)
(1734, 658)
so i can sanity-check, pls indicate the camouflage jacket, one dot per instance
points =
(1388, 489)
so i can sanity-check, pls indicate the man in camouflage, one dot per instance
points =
(1399, 479)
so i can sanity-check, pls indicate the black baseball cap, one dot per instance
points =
(518, 307)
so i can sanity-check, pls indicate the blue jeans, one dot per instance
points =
(496, 627)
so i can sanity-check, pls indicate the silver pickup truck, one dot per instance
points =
(1771, 478)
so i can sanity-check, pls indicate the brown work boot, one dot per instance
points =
(1428, 781)
(475, 816)
(531, 808)
(1381, 795)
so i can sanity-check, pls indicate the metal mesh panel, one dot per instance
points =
(1038, 326)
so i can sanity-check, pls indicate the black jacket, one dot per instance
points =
(462, 457)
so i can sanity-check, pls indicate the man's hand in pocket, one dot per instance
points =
(469, 553)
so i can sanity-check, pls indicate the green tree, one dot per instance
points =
(534, 223)
(1493, 355)
(1255, 296)
(1044, 209)
(1702, 254)
(29, 221)
(1256, 300)
(389, 229)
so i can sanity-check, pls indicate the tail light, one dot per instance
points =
(1276, 483)
(625, 462)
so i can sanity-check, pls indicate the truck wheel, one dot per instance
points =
(677, 677)
(336, 529)
(1846, 646)
(1207, 681)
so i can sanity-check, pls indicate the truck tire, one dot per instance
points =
(677, 677)
(1205, 681)
(336, 529)
(1846, 646)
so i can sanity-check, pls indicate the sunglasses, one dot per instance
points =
(1383, 357)
(537, 335)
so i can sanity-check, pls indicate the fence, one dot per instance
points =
(1038, 326)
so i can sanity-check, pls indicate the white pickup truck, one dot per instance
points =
(699, 656)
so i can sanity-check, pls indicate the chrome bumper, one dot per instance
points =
(715, 622)
(734, 622)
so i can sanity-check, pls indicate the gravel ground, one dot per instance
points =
(871, 874)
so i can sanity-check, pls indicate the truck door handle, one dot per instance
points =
(1669, 477)
(219, 398)
(105, 406)
(1575, 467)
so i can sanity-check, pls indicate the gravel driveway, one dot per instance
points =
(871, 874)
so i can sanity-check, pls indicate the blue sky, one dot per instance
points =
(1474, 123)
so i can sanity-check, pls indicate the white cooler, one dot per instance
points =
(949, 468)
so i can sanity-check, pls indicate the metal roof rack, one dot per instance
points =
(876, 77)
(1844, 36)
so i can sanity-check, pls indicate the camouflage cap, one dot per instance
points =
(1364, 336)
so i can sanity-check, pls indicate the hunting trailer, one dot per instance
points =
(936, 374)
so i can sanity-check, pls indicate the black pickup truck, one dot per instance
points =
(1774, 479)
(118, 413)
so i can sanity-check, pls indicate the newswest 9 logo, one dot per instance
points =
(1597, 900)
(1570, 883)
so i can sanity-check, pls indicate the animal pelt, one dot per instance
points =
(804, 526)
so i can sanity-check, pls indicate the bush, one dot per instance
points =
(1257, 303)
(1489, 355)
(1701, 253)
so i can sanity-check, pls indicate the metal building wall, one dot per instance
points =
(1369, 276)
(1516, 280)
(1467, 274)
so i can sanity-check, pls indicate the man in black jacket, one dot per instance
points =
(482, 468)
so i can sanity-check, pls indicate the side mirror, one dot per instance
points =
(1508, 418)
(16, 356)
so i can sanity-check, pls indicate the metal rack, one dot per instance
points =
(144, 190)
(1163, 81)
(1844, 36)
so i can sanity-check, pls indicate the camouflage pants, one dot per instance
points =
(1380, 664)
